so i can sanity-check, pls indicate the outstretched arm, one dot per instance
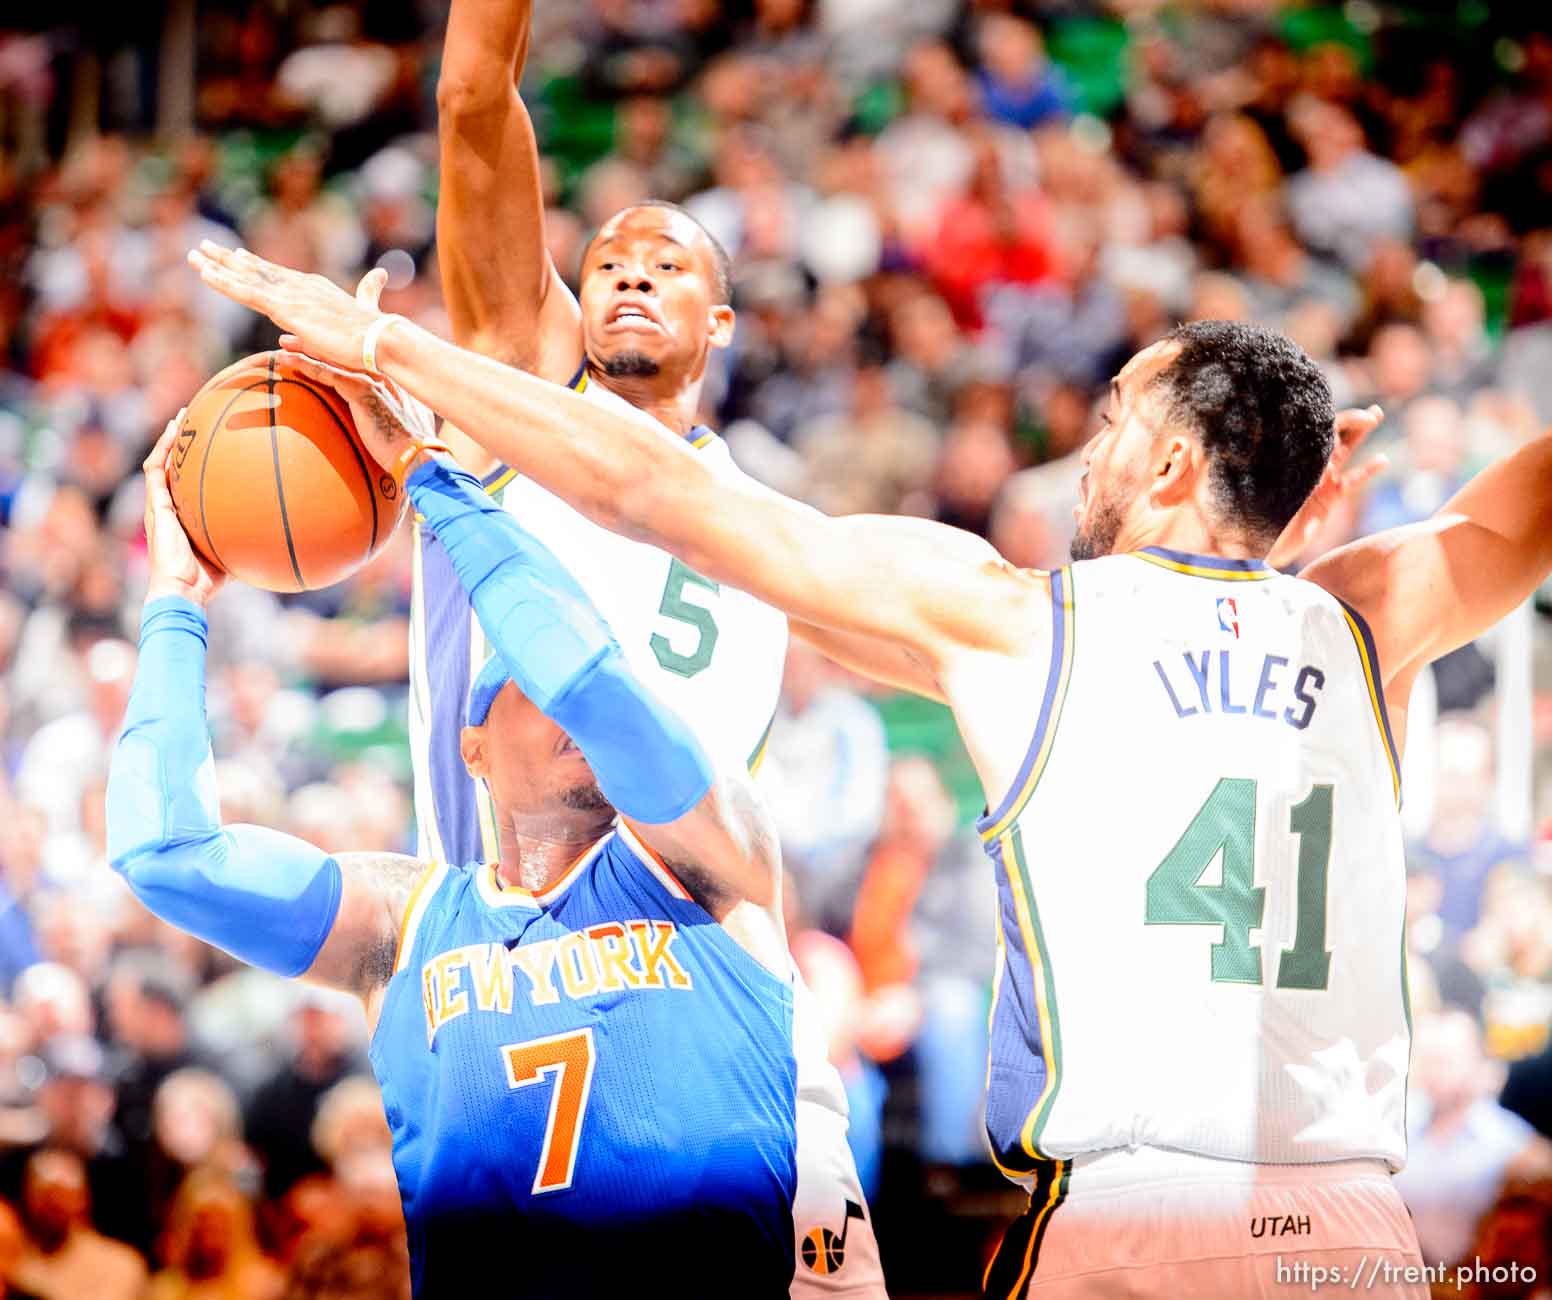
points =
(269, 899)
(504, 296)
(937, 590)
(1430, 587)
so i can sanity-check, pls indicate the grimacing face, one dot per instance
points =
(1116, 460)
(648, 297)
(531, 766)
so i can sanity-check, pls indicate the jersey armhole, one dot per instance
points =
(1374, 683)
(997, 821)
(415, 910)
(501, 473)
(653, 862)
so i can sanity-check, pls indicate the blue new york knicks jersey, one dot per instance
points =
(588, 1088)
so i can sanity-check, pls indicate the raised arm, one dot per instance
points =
(269, 899)
(504, 297)
(1430, 587)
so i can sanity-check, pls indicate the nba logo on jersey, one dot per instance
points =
(1228, 615)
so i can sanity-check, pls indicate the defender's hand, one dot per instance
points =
(318, 316)
(177, 569)
(1341, 481)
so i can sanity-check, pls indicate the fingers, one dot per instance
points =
(370, 291)
(1354, 425)
(156, 458)
(220, 276)
(321, 372)
(1356, 480)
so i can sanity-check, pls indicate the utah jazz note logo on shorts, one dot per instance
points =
(824, 1252)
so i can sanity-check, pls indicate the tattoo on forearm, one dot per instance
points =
(388, 425)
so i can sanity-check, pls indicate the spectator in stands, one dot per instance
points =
(1236, 167)
(1430, 470)
(1017, 84)
(210, 1247)
(876, 458)
(924, 911)
(824, 775)
(1463, 845)
(74, 1101)
(993, 234)
(13, 1248)
(1278, 276)
(1463, 1146)
(66, 1257)
(1347, 199)
(280, 1117)
(147, 1002)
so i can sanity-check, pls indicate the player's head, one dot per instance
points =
(530, 765)
(1230, 421)
(655, 293)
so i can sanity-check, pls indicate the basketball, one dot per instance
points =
(272, 484)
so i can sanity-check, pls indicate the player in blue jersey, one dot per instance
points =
(653, 304)
(585, 1046)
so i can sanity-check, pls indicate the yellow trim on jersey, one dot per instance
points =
(758, 757)
(501, 480)
(567, 878)
(581, 385)
(497, 892)
(409, 923)
(705, 438)
(1203, 571)
(1036, 956)
(1001, 825)
(1371, 677)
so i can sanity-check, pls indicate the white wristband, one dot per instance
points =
(374, 331)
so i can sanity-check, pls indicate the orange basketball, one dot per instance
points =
(272, 483)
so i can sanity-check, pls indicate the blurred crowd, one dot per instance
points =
(949, 223)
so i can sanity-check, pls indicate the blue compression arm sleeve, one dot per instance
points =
(268, 899)
(560, 651)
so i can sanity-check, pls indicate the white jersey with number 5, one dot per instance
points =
(1202, 878)
(712, 653)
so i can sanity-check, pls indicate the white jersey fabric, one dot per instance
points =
(1202, 887)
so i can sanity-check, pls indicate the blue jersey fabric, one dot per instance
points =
(589, 1088)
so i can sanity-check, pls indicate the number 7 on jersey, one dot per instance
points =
(569, 1059)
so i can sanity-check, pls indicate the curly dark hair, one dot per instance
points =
(1262, 409)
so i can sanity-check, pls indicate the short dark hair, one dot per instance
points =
(723, 283)
(1262, 410)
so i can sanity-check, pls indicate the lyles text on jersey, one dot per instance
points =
(1230, 682)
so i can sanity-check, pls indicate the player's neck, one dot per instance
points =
(1188, 530)
(536, 852)
(674, 407)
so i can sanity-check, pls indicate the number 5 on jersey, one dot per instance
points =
(568, 1059)
(675, 607)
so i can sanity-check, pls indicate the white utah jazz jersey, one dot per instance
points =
(1202, 878)
(712, 653)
